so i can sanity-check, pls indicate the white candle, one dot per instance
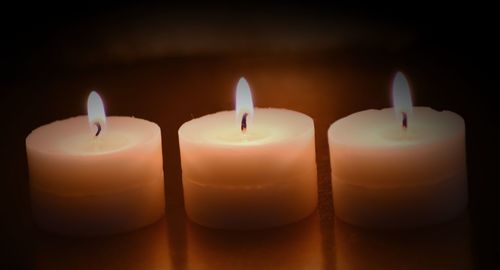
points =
(398, 167)
(101, 180)
(248, 169)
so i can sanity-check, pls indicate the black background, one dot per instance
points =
(336, 60)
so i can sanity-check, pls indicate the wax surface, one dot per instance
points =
(83, 184)
(263, 178)
(386, 176)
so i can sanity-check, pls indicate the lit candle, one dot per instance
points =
(398, 167)
(249, 168)
(102, 180)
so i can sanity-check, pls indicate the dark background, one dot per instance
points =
(169, 63)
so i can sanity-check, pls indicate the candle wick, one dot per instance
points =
(244, 123)
(405, 120)
(99, 128)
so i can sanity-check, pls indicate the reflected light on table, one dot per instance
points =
(146, 248)
(296, 246)
(445, 246)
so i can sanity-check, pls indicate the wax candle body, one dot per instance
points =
(263, 178)
(86, 184)
(386, 176)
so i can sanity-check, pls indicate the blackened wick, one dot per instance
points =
(244, 122)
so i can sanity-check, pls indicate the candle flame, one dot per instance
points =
(401, 98)
(95, 112)
(244, 104)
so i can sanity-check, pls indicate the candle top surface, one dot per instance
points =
(382, 128)
(73, 136)
(269, 126)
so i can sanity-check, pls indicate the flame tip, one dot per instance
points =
(400, 77)
(242, 82)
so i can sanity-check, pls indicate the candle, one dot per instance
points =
(398, 167)
(102, 180)
(249, 168)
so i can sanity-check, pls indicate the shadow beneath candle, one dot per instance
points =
(445, 246)
(296, 246)
(177, 239)
(146, 248)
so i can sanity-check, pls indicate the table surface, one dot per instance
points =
(172, 91)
